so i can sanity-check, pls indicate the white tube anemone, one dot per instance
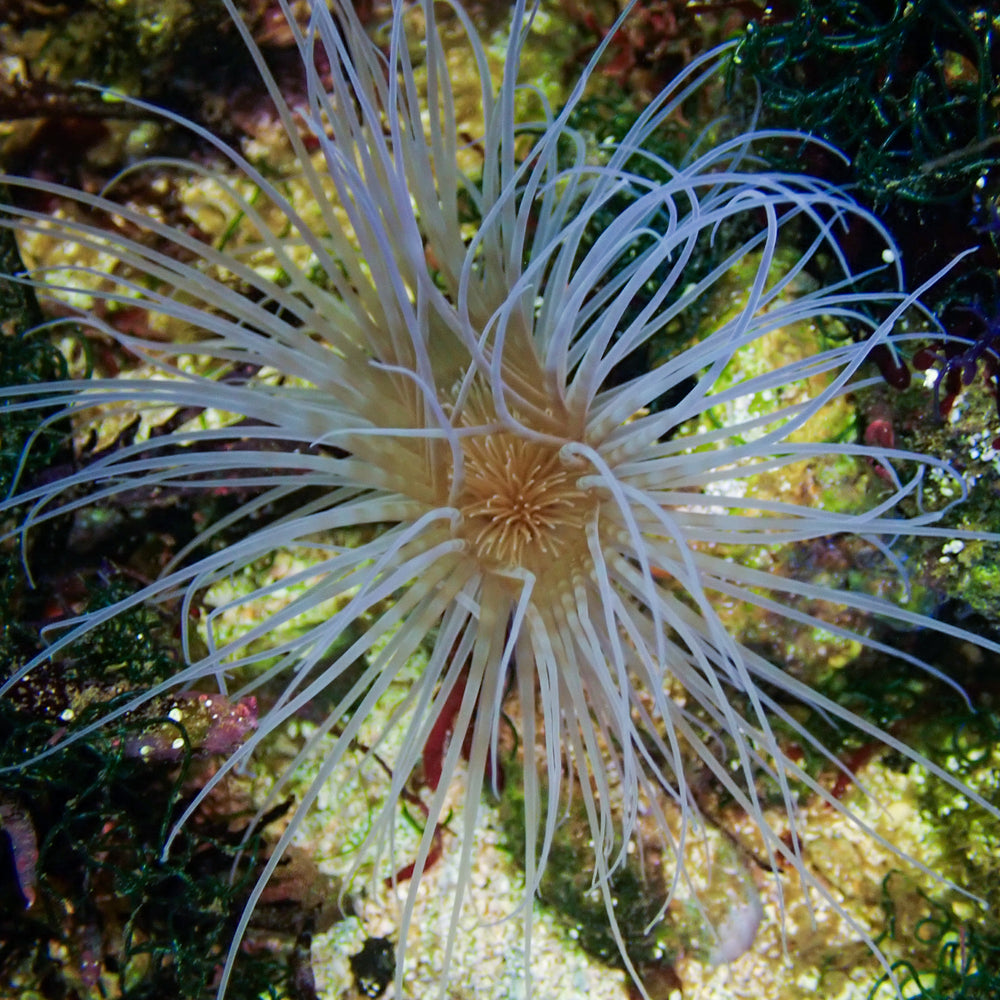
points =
(533, 520)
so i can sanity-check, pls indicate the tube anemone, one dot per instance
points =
(464, 471)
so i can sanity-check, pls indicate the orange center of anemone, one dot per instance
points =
(520, 503)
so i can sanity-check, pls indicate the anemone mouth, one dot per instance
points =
(520, 503)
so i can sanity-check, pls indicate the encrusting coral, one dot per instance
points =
(429, 378)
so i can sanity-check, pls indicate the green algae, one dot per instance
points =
(130, 46)
(638, 890)
(961, 570)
